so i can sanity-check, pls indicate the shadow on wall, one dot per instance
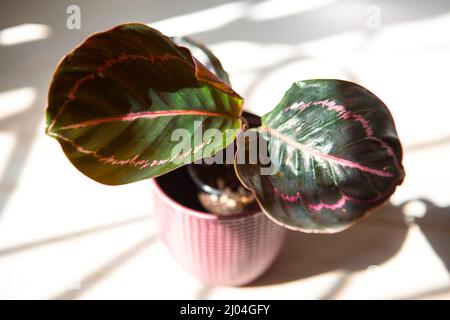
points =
(324, 19)
(369, 243)
(435, 225)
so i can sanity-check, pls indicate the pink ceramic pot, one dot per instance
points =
(219, 250)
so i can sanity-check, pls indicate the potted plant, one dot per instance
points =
(131, 104)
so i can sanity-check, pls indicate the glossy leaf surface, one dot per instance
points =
(116, 100)
(337, 152)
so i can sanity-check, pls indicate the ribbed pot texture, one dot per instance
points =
(218, 250)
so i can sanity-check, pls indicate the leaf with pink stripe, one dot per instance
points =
(117, 98)
(336, 152)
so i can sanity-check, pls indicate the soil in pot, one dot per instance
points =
(212, 188)
(178, 185)
(223, 195)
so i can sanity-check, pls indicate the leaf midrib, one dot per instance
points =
(327, 157)
(147, 115)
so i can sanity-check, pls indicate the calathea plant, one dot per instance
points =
(116, 99)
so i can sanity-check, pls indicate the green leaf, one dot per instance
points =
(336, 153)
(116, 99)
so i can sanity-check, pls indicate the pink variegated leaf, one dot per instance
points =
(336, 155)
(116, 100)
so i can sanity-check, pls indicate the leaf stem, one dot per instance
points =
(245, 124)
